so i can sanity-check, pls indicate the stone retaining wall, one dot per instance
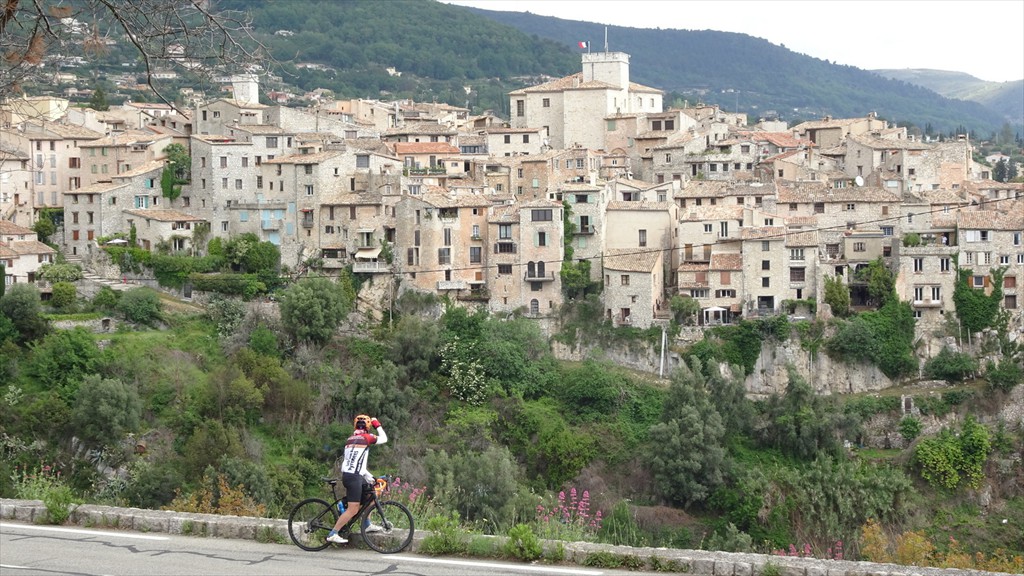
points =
(275, 530)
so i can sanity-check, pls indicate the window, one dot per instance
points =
(223, 161)
(766, 282)
(792, 207)
(520, 108)
(936, 293)
(723, 229)
(796, 274)
(245, 161)
(978, 281)
(707, 228)
(309, 189)
(504, 269)
(238, 183)
(535, 183)
(725, 293)
(858, 247)
(546, 102)
(519, 173)
(1010, 282)
(766, 264)
(475, 255)
(541, 215)
(624, 280)
(224, 183)
(850, 207)
(1016, 238)
(887, 230)
(819, 207)
(1004, 259)
(918, 265)
(643, 238)
(508, 138)
(918, 293)
(362, 160)
(542, 238)
(699, 293)
(259, 181)
(944, 264)
(668, 157)
(796, 253)
(271, 141)
(765, 245)
(444, 256)
(504, 231)
(307, 168)
(526, 138)
(910, 217)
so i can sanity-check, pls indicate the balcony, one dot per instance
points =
(422, 171)
(586, 230)
(307, 223)
(271, 224)
(927, 303)
(535, 277)
(505, 247)
(371, 267)
(452, 285)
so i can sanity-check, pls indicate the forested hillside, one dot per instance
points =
(1007, 98)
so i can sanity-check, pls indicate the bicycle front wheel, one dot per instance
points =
(390, 529)
(309, 523)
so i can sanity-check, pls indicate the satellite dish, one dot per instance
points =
(859, 180)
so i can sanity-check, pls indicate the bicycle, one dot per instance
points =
(313, 518)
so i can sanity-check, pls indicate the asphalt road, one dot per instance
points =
(27, 550)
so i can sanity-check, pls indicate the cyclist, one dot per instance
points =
(353, 470)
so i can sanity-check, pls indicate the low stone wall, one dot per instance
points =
(276, 530)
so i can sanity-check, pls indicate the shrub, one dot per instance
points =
(141, 305)
(950, 366)
(910, 427)
(106, 299)
(445, 537)
(1003, 376)
(46, 484)
(64, 295)
(523, 544)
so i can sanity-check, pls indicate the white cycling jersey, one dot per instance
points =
(357, 447)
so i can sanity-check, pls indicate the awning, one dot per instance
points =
(714, 309)
(735, 308)
(368, 253)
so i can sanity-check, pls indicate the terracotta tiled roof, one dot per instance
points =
(693, 267)
(725, 212)
(126, 138)
(8, 228)
(762, 233)
(441, 200)
(164, 215)
(305, 158)
(66, 131)
(989, 220)
(631, 260)
(809, 238)
(97, 188)
(643, 206)
(420, 128)
(504, 214)
(727, 261)
(25, 247)
(819, 192)
(6, 252)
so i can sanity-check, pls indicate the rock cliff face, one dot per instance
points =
(823, 374)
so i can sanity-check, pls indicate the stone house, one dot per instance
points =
(724, 297)
(799, 278)
(424, 132)
(112, 155)
(764, 264)
(425, 157)
(573, 109)
(587, 204)
(644, 226)
(22, 254)
(989, 239)
(55, 159)
(707, 229)
(634, 286)
(163, 228)
(829, 132)
(15, 192)
(442, 242)
(214, 118)
(515, 141)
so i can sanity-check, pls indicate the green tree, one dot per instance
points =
(688, 460)
(105, 410)
(999, 171)
(974, 308)
(576, 282)
(685, 310)
(22, 307)
(180, 162)
(62, 359)
(169, 186)
(312, 309)
(481, 486)
(881, 282)
(106, 299)
(98, 101)
(141, 305)
(44, 228)
(837, 296)
(802, 423)
(3, 280)
(64, 295)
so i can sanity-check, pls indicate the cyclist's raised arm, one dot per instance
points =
(381, 435)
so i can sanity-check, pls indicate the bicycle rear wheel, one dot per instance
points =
(396, 527)
(309, 523)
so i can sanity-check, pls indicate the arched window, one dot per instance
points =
(531, 269)
(540, 269)
(534, 306)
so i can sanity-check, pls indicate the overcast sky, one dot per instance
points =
(982, 38)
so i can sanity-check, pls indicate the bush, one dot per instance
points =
(1003, 376)
(910, 428)
(523, 544)
(950, 366)
(141, 305)
(445, 537)
(64, 295)
(46, 484)
(106, 299)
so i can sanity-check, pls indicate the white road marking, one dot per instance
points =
(87, 532)
(13, 566)
(524, 568)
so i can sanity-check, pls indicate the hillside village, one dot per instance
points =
(746, 219)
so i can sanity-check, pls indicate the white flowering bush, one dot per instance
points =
(466, 379)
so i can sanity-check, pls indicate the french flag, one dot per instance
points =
(584, 45)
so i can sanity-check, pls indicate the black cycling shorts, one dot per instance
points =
(353, 487)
